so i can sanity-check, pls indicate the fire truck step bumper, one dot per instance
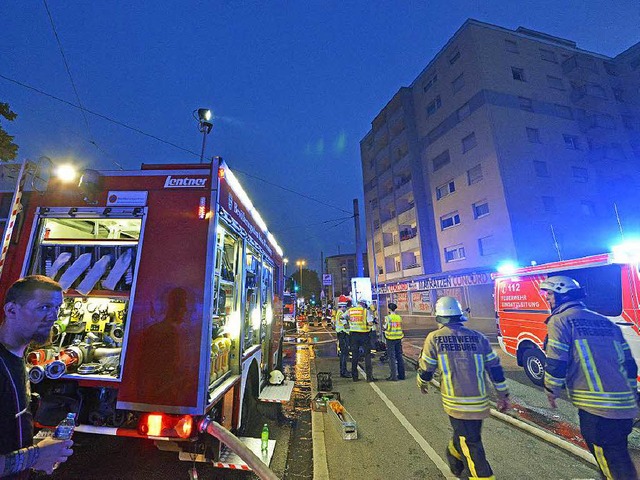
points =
(229, 459)
(277, 393)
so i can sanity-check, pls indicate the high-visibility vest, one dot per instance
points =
(394, 327)
(339, 322)
(357, 320)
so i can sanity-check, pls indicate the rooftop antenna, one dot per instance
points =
(555, 241)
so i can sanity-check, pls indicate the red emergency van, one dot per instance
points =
(611, 282)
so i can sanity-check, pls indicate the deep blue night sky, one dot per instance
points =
(294, 85)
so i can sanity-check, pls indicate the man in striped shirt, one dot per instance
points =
(465, 358)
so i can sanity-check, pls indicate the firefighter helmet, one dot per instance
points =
(560, 284)
(343, 300)
(276, 377)
(448, 307)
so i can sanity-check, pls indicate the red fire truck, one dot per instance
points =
(612, 284)
(173, 302)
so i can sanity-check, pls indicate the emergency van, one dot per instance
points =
(172, 306)
(612, 285)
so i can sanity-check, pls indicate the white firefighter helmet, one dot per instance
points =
(448, 309)
(560, 284)
(276, 377)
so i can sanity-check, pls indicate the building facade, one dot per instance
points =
(510, 145)
(342, 269)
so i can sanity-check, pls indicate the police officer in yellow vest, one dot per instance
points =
(587, 354)
(464, 357)
(393, 333)
(360, 322)
(342, 330)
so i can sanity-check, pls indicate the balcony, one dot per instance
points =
(411, 270)
(410, 244)
(394, 275)
(584, 95)
(408, 215)
(391, 250)
(580, 67)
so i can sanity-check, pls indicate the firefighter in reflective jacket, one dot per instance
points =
(394, 335)
(342, 329)
(360, 322)
(587, 353)
(463, 356)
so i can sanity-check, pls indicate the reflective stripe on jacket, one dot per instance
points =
(393, 327)
(465, 358)
(587, 353)
(341, 325)
(357, 317)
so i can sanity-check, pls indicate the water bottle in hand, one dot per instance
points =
(64, 430)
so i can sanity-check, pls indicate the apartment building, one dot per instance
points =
(342, 268)
(510, 145)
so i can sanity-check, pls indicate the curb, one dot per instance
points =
(320, 465)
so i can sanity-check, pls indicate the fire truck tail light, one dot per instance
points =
(202, 208)
(221, 172)
(164, 425)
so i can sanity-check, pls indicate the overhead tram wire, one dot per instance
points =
(73, 85)
(161, 140)
(310, 224)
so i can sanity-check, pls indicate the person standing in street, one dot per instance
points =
(360, 323)
(342, 330)
(393, 333)
(465, 357)
(587, 354)
(30, 310)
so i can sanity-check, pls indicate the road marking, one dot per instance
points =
(426, 448)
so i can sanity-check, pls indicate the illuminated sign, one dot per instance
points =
(185, 182)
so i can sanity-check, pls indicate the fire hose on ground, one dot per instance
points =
(216, 430)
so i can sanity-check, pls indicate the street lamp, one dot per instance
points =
(300, 264)
(204, 125)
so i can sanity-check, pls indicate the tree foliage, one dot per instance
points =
(310, 283)
(8, 149)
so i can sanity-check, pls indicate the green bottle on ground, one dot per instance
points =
(265, 438)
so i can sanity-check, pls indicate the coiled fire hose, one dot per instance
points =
(214, 429)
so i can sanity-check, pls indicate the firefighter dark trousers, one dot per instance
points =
(607, 441)
(465, 453)
(396, 362)
(360, 340)
(343, 347)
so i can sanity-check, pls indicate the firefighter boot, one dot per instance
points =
(456, 465)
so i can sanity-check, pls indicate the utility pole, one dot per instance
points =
(356, 219)
(322, 289)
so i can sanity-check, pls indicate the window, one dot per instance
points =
(469, 142)
(610, 68)
(474, 175)
(595, 90)
(588, 208)
(618, 94)
(526, 104)
(480, 209)
(434, 106)
(548, 55)
(445, 189)
(563, 111)
(441, 160)
(458, 83)
(487, 245)
(555, 82)
(518, 74)
(533, 134)
(541, 168)
(449, 220)
(572, 142)
(378, 246)
(549, 204)
(376, 224)
(511, 46)
(580, 174)
(629, 122)
(453, 253)
(463, 112)
(454, 57)
(430, 83)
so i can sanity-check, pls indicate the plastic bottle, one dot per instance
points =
(64, 430)
(265, 438)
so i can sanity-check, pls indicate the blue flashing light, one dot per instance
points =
(507, 267)
(627, 252)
